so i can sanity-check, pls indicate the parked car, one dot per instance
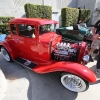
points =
(34, 44)
(76, 34)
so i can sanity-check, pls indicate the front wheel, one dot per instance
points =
(74, 83)
(5, 54)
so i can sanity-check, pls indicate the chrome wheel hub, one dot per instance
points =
(5, 54)
(73, 82)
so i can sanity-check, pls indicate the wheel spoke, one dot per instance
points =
(5, 54)
(73, 83)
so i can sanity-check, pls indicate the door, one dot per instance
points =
(12, 37)
(27, 42)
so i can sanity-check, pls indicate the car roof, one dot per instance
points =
(38, 21)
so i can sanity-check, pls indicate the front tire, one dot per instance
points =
(5, 54)
(74, 83)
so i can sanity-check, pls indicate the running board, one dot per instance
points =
(25, 63)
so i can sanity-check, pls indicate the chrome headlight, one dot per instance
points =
(86, 58)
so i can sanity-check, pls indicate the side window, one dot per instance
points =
(26, 30)
(13, 28)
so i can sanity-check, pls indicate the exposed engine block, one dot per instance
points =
(65, 52)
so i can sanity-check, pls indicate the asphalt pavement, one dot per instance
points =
(24, 84)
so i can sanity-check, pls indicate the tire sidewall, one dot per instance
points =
(3, 48)
(86, 82)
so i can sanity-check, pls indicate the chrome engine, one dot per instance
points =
(65, 52)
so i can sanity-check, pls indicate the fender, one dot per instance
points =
(10, 49)
(70, 67)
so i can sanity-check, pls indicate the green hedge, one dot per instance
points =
(4, 24)
(84, 15)
(4, 29)
(38, 11)
(5, 19)
(69, 16)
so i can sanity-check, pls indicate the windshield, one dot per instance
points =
(47, 28)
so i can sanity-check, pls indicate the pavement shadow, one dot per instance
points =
(93, 68)
(18, 81)
(37, 86)
(48, 87)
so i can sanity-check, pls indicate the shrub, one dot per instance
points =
(4, 24)
(38, 11)
(84, 15)
(4, 29)
(69, 16)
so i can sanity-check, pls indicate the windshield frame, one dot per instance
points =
(45, 28)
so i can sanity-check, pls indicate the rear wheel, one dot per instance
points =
(74, 83)
(5, 54)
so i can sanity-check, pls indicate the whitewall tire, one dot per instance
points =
(5, 54)
(74, 83)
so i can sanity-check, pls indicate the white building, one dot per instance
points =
(16, 7)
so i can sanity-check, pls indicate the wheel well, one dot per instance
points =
(0, 47)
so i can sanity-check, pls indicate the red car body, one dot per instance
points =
(39, 50)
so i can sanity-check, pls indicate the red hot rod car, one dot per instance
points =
(34, 44)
